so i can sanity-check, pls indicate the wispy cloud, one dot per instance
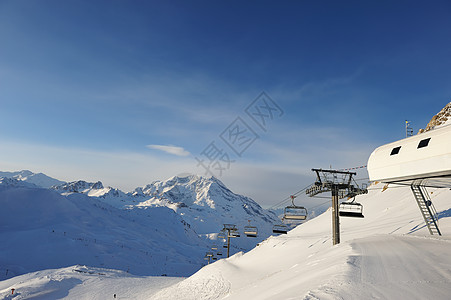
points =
(179, 151)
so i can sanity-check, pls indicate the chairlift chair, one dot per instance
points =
(294, 212)
(222, 234)
(234, 234)
(280, 229)
(351, 209)
(250, 231)
(214, 247)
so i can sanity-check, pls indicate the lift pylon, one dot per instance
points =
(339, 183)
(232, 232)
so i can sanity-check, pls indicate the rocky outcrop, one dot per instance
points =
(442, 118)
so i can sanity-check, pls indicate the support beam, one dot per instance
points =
(228, 244)
(335, 216)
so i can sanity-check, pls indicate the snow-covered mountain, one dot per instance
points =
(110, 195)
(42, 229)
(80, 186)
(207, 204)
(163, 228)
(442, 118)
(203, 202)
(389, 254)
(38, 179)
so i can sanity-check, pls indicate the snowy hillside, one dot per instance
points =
(38, 179)
(389, 254)
(163, 228)
(207, 204)
(42, 229)
(109, 195)
(204, 203)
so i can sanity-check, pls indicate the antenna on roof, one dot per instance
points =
(409, 130)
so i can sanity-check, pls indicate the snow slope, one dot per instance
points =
(38, 179)
(387, 255)
(42, 229)
(204, 203)
(80, 282)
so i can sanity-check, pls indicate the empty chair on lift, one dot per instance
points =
(234, 234)
(280, 229)
(351, 209)
(214, 247)
(250, 231)
(295, 213)
(222, 235)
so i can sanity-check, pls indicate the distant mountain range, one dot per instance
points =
(204, 203)
(38, 179)
(163, 228)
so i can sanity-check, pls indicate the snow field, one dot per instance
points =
(81, 282)
(387, 255)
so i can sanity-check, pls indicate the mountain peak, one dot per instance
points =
(7, 182)
(38, 179)
(206, 204)
(441, 119)
(79, 186)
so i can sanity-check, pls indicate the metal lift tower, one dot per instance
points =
(340, 184)
(232, 232)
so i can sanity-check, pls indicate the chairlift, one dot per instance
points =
(234, 234)
(214, 247)
(250, 231)
(222, 234)
(294, 212)
(280, 229)
(351, 209)
(214, 258)
(218, 253)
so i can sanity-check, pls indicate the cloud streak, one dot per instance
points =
(174, 150)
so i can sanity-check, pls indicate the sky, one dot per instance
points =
(256, 93)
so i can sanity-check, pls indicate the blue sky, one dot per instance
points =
(128, 92)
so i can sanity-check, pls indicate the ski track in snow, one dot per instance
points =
(403, 267)
(393, 267)
(194, 288)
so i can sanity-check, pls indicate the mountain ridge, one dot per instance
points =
(183, 213)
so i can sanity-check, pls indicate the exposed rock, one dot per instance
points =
(442, 118)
